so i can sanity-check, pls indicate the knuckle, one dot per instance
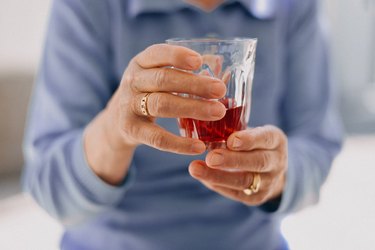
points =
(273, 135)
(195, 87)
(152, 47)
(129, 78)
(265, 160)
(174, 52)
(249, 136)
(160, 78)
(132, 65)
(269, 139)
(150, 50)
(159, 104)
(132, 80)
(158, 140)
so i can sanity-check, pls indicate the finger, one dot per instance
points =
(214, 62)
(156, 137)
(233, 180)
(261, 161)
(171, 80)
(226, 76)
(267, 137)
(161, 55)
(172, 106)
(238, 195)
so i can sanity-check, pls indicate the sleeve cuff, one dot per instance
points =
(100, 191)
(283, 204)
(289, 189)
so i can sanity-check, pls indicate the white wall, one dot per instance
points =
(352, 30)
(22, 24)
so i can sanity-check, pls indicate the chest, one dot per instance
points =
(136, 34)
(133, 35)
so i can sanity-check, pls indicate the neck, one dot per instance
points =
(206, 5)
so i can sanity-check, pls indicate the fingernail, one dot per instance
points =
(198, 147)
(217, 110)
(216, 159)
(236, 142)
(193, 61)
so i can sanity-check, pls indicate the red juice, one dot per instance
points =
(215, 131)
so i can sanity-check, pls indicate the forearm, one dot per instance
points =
(109, 162)
(68, 95)
(61, 181)
(310, 160)
(308, 109)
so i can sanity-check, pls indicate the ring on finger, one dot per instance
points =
(144, 108)
(254, 186)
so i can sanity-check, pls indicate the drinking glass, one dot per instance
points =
(232, 61)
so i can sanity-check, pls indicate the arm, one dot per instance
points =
(309, 107)
(84, 126)
(73, 85)
(294, 162)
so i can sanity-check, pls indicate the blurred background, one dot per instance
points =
(345, 216)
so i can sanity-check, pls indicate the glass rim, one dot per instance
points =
(211, 40)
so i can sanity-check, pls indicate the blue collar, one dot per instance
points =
(261, 9)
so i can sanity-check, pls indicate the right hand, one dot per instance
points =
(122, 124)
(147, 73)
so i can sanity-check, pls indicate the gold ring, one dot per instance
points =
(144, 108)
(254, 186)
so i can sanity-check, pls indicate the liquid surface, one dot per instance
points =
(214, 131)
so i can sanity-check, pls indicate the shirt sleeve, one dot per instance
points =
(308, 108)
(74, 84)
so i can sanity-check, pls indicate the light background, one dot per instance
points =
(345, 217)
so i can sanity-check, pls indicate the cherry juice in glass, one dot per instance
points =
(215, 133)
(232, 61)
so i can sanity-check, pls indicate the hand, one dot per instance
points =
(260, 150)
(147, 73)
(122, 126)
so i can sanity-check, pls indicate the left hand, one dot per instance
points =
(261, 150)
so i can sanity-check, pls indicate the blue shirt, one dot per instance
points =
(159, 206)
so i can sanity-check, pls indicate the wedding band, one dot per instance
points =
(254, 186)
(144, 108)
